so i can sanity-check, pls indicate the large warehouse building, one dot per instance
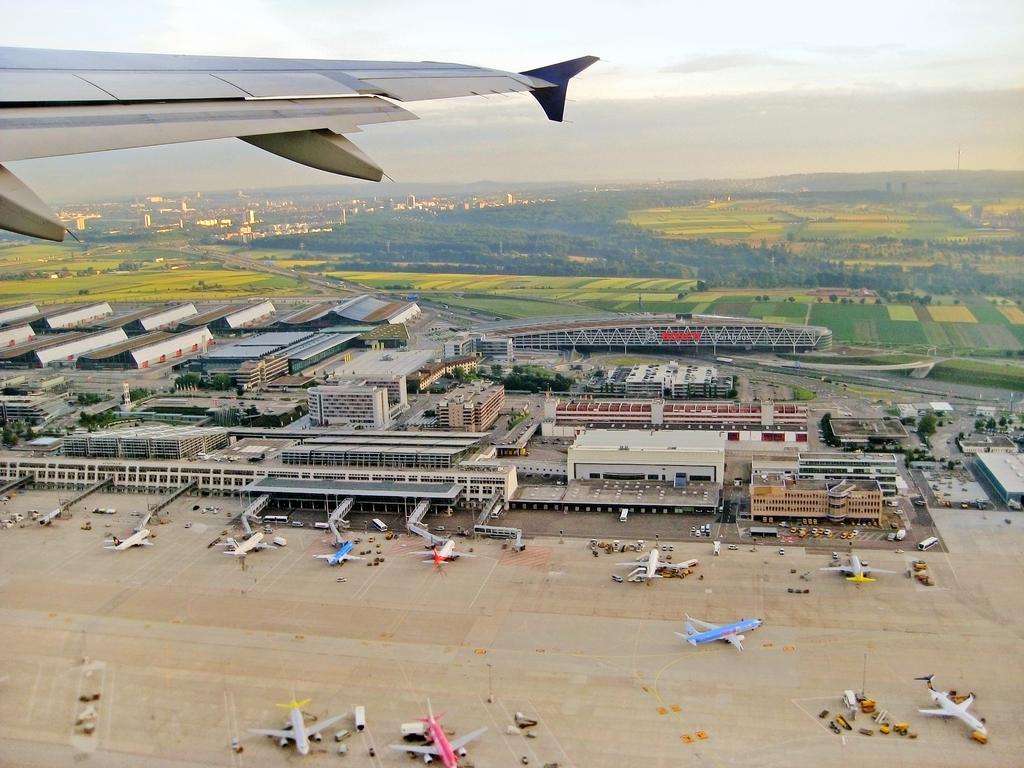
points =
(233, 317)
(10, 315)
(660, 333)
(148, 350)
(360, 309)
(667, 456)
(151, 318)
(1005, 472)
(58, 349)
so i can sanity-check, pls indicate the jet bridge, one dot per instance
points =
(414, 525)
(160, 506)
(340, 517)
(252, 511)
(482, 528)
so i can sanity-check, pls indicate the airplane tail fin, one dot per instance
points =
(926, 679)
(293, 704)
(552, 98)
(859, 579)
(117, 541)
(690, 630)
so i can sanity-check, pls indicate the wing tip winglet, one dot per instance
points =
(552, 98)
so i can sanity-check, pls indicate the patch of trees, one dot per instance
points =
(533, 378)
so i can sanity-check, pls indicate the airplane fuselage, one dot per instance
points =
(723, 633)
(444, 749)
(338, 557)
(299, 729)
(248, 545)
(134, 540)
(946, 703)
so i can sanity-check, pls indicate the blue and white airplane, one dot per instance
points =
(730, 633)
(340, 556)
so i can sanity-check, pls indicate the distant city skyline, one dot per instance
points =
(684, 91)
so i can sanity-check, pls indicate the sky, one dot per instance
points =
(684, 89)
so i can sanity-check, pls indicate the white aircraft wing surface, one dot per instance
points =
(272, 732)
(417, 749)
(67, 102)
(936, 712)
(704, 624)
(736, 640)
(315, 728)
(462, 741)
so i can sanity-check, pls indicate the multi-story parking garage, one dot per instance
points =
(660, 333)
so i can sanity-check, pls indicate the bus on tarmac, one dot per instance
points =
(928, 543)
(275, 518)
(379, 524)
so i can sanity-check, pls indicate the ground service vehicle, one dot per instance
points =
(379, 525)
(928, 543)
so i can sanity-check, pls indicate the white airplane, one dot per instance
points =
(856, 570)
(949, 708)
(445, 554)
(296, 729)
(137, 539)
(650, 567)
(253, 543)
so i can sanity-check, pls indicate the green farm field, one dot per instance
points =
(971, 326)
(71, 273)
(534, 295)
(776, 220)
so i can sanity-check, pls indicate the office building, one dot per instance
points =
(823, 465)
(355, 404)
(156, 441)
(472, 407)
(781, 496)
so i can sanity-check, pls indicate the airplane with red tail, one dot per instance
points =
(438, 747)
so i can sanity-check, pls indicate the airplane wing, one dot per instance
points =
(936, 712)
(875, 570)
(735, 640)
(963, 705)
(271, 732)
(837, 569)
(315, 728)
(56, 103)
(428, 750)
(462, 741)
(704, 624)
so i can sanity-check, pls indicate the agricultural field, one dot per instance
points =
(776, 220)
(980, 373)
(975, 325)
(68, 273)
(538, 295)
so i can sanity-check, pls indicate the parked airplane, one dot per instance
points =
(56, 103)
(730, 633)
(856, 569)
(340, 556)
(238, 549)
(949, 708)
(137, 539)
(650, 567)
(439, 747)
(445, 554)
(296, 729)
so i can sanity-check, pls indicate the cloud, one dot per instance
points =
(719, 62)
